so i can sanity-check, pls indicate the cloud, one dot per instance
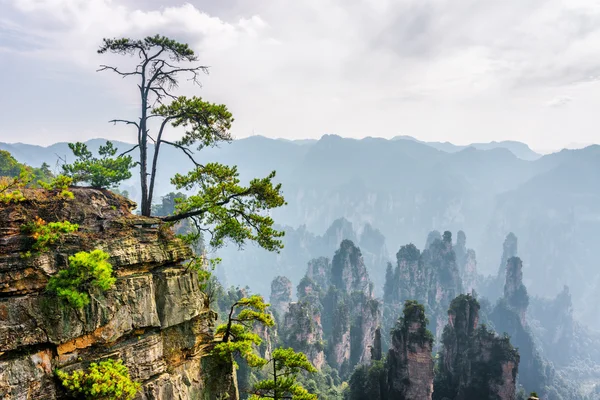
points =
(559, 101)
(354, 67)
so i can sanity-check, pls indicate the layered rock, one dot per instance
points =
(348, 271)
(303, 332)
(509, 250)
(466, 262)
(474, 363)
(409, 360)
(431, 277)
(319, 271)
(156, 318)
(515, 292)
(338, 299)
(281, 295)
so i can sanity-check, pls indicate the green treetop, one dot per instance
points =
(286, 365)
(236, 336)
(220, 205)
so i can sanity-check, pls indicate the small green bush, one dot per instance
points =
(59, 184)
(46, 234)
(107, 380)
(87, 273)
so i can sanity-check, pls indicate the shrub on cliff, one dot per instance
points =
(236, 336)
(46, 234)
(282, 384)
(87, 274)
(107, 380)
(105, 171)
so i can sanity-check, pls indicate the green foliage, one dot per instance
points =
(175, 50)
(206, 123)
(221, 207)
(9, 166)
(87, 274)
(46, 234)
(228, 209)
(107, 380)
(368, 382)
(236, 335)
(282, 383)
(104, 172)
(414, 312)
(59, 184)
(11, 187)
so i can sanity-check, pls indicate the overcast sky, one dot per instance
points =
(440, 70)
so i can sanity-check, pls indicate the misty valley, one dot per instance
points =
(395, 298)
(418, 219)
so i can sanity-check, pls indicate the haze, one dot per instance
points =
(461, 71)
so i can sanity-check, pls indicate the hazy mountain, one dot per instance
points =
(406, 189)
(519, 149)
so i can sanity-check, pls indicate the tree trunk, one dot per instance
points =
(143, 142)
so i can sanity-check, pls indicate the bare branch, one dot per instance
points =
(129, 151)
(187, 151)
(114, 121)
(124, 74)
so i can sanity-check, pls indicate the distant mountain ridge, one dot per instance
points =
(519, 149)
(406, 189)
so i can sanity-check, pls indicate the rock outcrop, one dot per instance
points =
(431, 277)
(303, 332)
(281, 295)
(409, 361)
(474, 362)
(335, 306)
(156, 318)
(515, 292)
(466, 262)
(348, 271)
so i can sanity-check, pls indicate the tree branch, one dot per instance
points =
(187, 151)
(123, 74)
(129, 151)
(195, 213)
(114, 121)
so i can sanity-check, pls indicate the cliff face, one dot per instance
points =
(303, 332)
(319, 271)
(466, 262)
(431, 277)
(335, 306)
(281, 295)
(474, 362)
(409, 361)
(348, 271)
(156, 318)
(515, 292)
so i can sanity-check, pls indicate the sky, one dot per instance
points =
(439, 70)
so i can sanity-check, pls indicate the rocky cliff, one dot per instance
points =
(474, 363)
(409, 361)
(431, 277)
(303, 332)
(281, 296)
(466, 262)
(335, 309)
(515, 292)
(156, 318)
(348, 271)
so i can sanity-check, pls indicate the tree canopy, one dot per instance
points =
(220, 206)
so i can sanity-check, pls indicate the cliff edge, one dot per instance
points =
(156, 318)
